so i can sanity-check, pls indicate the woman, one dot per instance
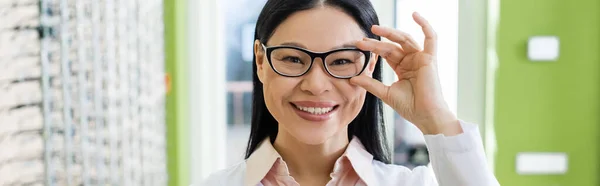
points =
(317, 116)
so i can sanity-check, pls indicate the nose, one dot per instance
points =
(316, 81)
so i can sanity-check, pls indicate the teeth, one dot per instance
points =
(315, 110)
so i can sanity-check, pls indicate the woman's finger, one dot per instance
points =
(375, 87)
(390, 51)
(408, 44)
(430, 35)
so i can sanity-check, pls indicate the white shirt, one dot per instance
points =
(456, 160)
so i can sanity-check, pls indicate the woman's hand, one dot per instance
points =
(417, 95)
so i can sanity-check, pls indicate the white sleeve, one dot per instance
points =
(460, 160)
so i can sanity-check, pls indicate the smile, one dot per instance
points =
(314, 111)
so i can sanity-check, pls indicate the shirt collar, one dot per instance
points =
(260, 162)
(361, 160)
(263, 159)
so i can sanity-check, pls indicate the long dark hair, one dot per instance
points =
(368, 125)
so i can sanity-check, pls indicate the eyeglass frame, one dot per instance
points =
(313, 55)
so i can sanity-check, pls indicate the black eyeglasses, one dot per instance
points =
(291, 61)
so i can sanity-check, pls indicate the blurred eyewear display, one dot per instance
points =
(82, 93)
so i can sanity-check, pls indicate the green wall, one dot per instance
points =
(549, 107)
(177, 99)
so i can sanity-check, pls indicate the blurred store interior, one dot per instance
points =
(108, 92)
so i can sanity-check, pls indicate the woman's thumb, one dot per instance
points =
(375, 87)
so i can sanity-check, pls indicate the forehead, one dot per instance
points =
(319, 29)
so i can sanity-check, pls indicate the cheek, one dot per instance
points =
(354, 98)
(277, 89)
(270, 82)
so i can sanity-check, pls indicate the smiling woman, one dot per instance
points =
(334, 30)
(317, 102)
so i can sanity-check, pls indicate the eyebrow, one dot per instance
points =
(296, 44)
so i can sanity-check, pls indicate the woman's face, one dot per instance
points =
(316, 106)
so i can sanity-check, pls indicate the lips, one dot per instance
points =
(314, 111)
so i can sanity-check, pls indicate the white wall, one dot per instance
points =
(207, 88)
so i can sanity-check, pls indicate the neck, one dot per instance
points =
(308, 161)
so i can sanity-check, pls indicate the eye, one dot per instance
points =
(292, 59)
(341, 62)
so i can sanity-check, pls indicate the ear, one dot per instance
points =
(372, 63)
(259, 55)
